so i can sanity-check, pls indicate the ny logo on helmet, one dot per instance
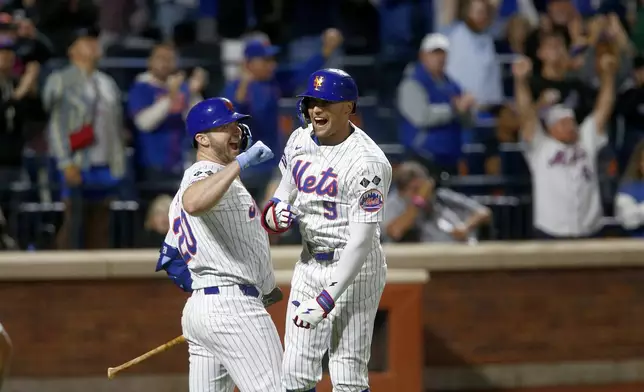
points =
(229, 105)
(317, 83)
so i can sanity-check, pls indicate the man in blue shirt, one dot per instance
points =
(157, 102)
(257, 92)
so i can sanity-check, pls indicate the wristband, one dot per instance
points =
(419, 202)
(325, 301)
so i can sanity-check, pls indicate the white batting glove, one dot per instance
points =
(278, 216)
(312, 311)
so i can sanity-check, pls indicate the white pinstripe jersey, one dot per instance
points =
(336, 184)
(226, 245)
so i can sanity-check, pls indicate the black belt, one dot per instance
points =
(246, 289)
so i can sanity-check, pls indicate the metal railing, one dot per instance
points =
(34, 223)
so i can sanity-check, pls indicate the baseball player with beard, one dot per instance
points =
(340, 179)
(216, 236)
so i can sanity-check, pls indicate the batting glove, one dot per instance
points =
(255, 155)
(312, 311)
(278, 216)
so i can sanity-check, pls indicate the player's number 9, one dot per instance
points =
(187, 242)
(330, 210)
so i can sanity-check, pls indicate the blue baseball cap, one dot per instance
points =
(259, 48)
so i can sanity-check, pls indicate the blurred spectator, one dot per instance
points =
(561, 18)
(563, 158)
(158, 101)
(170, 13)
(30, 44)
(119, 18)
(6, 351)
(238, 21)
(85, 138)
(258, 91)
(638, 27)
(156, 222)
(304, 39)
(517, 31)
(6, 243)
(472, 60)
(629, 203)
(416, 211)
(606, 36)
(553, 84)
(60, 20)
(19, 103)
(433, 108)
(507, 131)
(501, 12)
(630, 105)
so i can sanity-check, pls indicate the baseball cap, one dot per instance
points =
(259, 48)
(433, 42)
(557, 113)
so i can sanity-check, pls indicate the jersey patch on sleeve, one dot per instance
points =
(207, 172)
(371, 200)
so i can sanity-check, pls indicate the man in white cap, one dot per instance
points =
(563, 157)
(433, 108)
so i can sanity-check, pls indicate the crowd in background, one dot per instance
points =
(94, 95)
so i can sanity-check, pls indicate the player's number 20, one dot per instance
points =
(187, 243)
(330, 210)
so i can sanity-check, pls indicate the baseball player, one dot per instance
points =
(340, 179)
(217, 232)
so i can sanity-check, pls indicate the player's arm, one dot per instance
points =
(172, 263)
(208, 188)
(606, 98)
(284, 192)
(369, 190)
(522, 70)
(366, 214)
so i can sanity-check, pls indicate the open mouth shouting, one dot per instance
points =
(234, 145)
(320, 121)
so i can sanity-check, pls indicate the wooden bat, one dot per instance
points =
(111, 372)
(269, 299)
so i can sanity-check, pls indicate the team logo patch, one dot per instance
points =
(371, 201)
(252, 211)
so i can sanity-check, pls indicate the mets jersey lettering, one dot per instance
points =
(336, 185)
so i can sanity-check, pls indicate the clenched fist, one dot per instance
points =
(522, 68)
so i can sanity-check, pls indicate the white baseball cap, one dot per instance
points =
(433, 42)
(557, 113)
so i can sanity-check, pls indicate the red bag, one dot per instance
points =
(82, 138)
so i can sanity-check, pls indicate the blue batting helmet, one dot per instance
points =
(329, 84)
(216, 112)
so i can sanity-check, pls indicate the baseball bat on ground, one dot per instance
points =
(269, 299)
